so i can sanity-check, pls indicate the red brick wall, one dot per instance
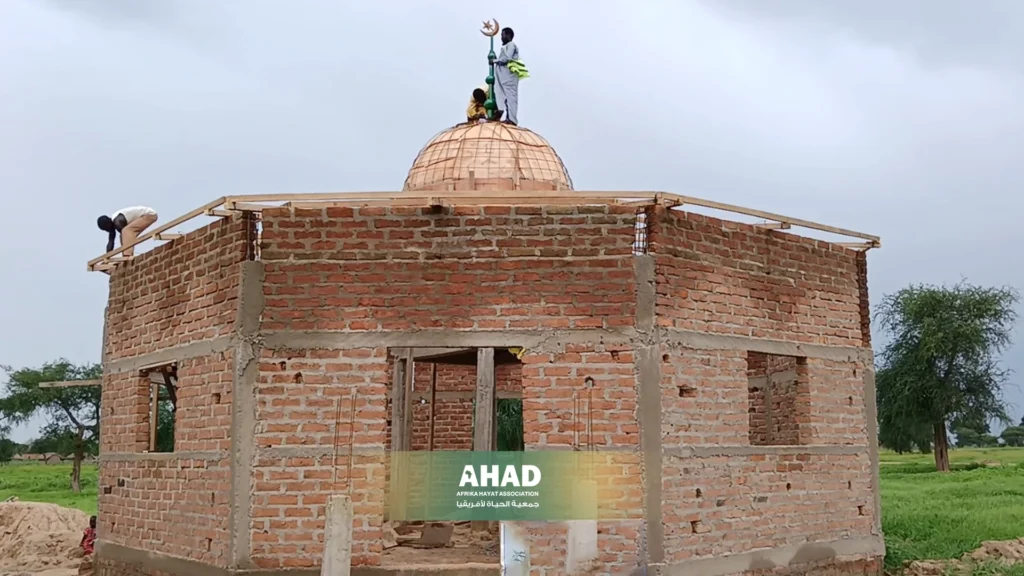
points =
(762, 501)
(837, 415)
(297, 394)
(729, 278)
(493, 267)
(171, 504)
(549, 380)
(181, 292)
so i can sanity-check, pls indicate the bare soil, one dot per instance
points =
(40, 539)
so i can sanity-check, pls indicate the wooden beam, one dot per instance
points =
(484, 433)
(399, 405)
(183, 218)
(483, 420)
(167, 237)
(856, 245)
(218, 213)
(70, 383)
(407, 386)
(431, 354)
(158, 366)
(769, 216)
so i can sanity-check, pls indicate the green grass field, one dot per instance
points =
(930, 515)
(925, 515)
(39, 483)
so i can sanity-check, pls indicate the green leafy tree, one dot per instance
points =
(940, 365)
(898, 434)
(7, 447)
(1013, 436)
(72, 412)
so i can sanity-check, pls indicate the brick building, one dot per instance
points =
(734, 358)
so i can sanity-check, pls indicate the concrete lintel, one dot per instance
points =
(744, 450)
(149, 561)
(191, 350)
(704, 341)
(772, 558)
(320, 451)
(529, 339)
(243, 415)
(211, 456)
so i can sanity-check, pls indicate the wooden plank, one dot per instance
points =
(398, 403)
(230, 201)
(437, 354)
(483, 420)
(218, 213)
(167, 237)
(407, 387)
(158, 366)
(855, 245)
(484, 432)
(70, 383)
(679, 199)
(180, 219)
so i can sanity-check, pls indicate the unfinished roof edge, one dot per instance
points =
(228, 205)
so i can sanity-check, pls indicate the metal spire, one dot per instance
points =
(490, 30)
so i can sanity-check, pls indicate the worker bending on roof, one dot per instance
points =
(476, 111)
(130, 222)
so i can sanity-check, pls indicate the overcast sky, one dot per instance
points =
(901, 119)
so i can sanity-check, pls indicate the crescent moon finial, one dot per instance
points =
(490, 28)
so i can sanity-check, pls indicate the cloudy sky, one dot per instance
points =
(901, 119)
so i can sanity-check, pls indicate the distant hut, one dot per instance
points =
(52, 458)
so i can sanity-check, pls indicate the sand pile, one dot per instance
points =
(1004, 552)
(35, 537)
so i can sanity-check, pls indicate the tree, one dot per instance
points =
(1013, 436)
(7, 447)
(72, 412)
(940, 364)
(899, 435)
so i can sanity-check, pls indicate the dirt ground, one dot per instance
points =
(465, 547)
(40, 539)
(999, 552)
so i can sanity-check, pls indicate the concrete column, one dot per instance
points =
(581, 551)
(337, 559)
(515, 549)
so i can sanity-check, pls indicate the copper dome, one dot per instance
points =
(487, 156)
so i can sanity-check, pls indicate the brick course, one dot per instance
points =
(177, 293)
(484, 268)
(725, 277)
